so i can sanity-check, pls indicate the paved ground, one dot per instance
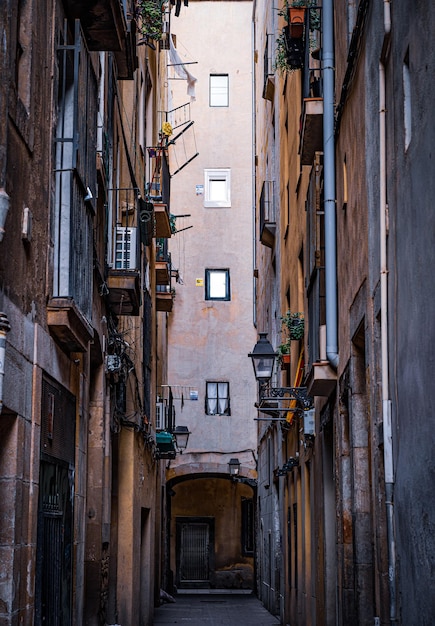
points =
(214, 610)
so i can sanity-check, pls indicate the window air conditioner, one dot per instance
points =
(126, 248)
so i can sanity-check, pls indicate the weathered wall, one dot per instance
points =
(411, 190)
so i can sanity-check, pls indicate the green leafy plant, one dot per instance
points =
(172, 223)
(293, 325)
(292, 328)
(289, 53)
(282, 350)
(150, 18)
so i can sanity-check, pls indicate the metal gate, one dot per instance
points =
(194, 552)
(54, 551)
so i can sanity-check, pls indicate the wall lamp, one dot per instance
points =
(168, 440)
(234, 467)
(263, 359)
(181, 436)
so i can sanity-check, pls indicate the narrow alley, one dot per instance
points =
(213, 609)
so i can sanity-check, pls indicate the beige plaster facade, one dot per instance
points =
(210, 338)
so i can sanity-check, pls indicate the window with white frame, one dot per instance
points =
(217, 284)
(217, 398)
(217, 188)
(219, 92)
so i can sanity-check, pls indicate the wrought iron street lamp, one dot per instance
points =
(263, 359)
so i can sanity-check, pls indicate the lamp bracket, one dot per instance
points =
(277, 400)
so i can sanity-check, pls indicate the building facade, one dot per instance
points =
(210, 377)
(82, 338)
(346, 126)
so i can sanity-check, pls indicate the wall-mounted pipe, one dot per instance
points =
(329, 183)
(4, 329)
(386, 401)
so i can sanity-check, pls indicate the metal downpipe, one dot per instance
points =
(329, 183)
(386, 401)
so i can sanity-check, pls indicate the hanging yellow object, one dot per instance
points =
(166, 129)
(297, 383)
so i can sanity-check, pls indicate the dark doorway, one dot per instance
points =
(195, 551)
(54, 551)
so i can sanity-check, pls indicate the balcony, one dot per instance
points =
(267, 214)
(269, 74)
(312, 129)
(322, 379)
(124, 291)
(108, 27)
(164, 298)
(123, 278)
(162, 224)
(162, 263)
(68, 325)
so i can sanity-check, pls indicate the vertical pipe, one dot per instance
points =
(386, 402)
(254, 178)
(329, 182)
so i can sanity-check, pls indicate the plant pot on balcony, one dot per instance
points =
(296, 20)
(285, 361)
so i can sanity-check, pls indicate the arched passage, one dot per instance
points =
(210, 531)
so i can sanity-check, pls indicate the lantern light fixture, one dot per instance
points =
(234, 466)
(181, 436)
(263, 359)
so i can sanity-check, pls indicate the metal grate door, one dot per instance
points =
(194, 552)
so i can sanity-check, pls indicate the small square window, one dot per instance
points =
(219, 90)
(217, 284)
(217, 398)
(217, 188)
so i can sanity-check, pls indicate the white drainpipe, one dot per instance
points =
(4, 329)
(386, 401)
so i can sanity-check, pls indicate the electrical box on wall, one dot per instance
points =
(309, 422)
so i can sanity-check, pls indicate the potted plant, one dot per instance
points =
(294, 325)
(283, 351)
(294, 13)
(292, 329)
(296, 18)
(289, 53)
(150, 14)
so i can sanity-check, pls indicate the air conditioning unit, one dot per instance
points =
(126, 248)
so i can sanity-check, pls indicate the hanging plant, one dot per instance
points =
(150, 18)
(293, 324)
(289, 53)
(314, 17)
